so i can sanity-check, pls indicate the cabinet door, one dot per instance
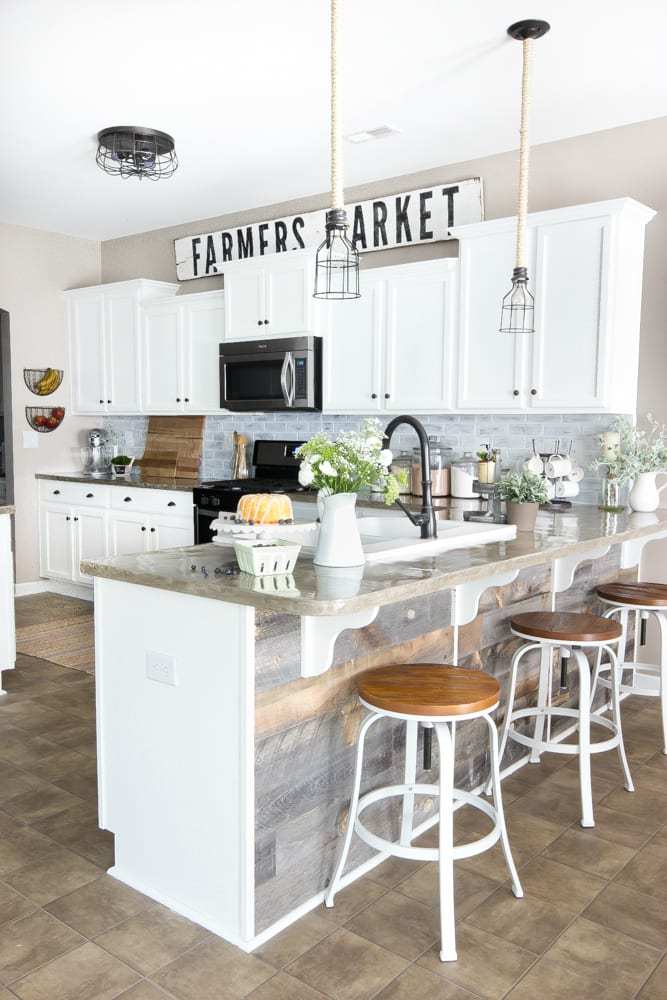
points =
(128, 534)
(86, 328)
(90, 539)
(122, 356)
(419, 336)
(55, 537)
(245, 303)
(289, 296)
(162, 359)
(490, 364)
(353, 351)
(171, 533)
(568, 346)
(204, 329)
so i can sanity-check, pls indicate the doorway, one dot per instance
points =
(6, 455)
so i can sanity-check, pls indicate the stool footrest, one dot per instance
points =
(411, 852)
(550, 746)
(646, 681)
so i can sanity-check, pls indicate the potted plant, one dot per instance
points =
(638, 457)
(121, 464)
(488, 458)
(339, 469)
(523, 493)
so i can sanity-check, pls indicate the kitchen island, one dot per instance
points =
(7, 627)
(226, 711)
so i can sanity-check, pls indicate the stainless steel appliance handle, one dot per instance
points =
(292, 378)
(283, 378)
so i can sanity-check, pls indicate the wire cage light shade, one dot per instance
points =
(518, 310)
(337, 261)
(128, 151)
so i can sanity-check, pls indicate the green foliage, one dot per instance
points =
(641, 450)
(523, 487)
(354, 461)
(121, 460)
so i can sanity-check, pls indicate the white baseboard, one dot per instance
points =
(54, 587)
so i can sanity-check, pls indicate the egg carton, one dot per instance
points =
(266, 558)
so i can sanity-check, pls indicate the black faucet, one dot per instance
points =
(425, 520)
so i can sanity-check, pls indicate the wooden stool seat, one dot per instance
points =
(649, 595)
(428, 689)
(564, 626)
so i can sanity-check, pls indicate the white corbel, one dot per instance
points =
(319, 634)
(563, 569)
(466, 596)
(631, 551)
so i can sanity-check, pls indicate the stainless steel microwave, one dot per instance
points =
(282, 374)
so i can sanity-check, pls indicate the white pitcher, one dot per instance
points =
(645, 495)
(339, 542)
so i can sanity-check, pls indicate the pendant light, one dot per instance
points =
(337, 261)
(128, 151)
(518, 309)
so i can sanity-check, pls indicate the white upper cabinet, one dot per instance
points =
(271, 296)
(203, 331)
(162, 361)
(391, 349)
(585, 268)
(104, 325)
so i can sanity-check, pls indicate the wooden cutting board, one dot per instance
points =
(173, 447)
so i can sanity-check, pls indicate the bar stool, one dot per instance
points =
(572, 633)
(439, 696)
(646, 679)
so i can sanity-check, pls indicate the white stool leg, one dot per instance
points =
(585, 738)
(542, 695)
(615, 665)
(514, 669)
(498, 803)
(446, 844)
(662, 623)
(598, 660)
(409, 779)
(354, 801)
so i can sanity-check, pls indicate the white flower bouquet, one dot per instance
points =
(641, 450)
(354, 461)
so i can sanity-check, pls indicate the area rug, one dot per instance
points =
(56, 628)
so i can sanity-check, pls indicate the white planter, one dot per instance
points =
(339, 542)
(645, 495)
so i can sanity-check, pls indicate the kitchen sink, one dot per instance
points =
(393, 538)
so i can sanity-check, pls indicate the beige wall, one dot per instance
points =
(627, 161)
(35, 267)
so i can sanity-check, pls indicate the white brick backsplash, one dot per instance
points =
(511, 433)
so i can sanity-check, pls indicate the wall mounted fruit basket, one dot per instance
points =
(43, 381)
(44, 418)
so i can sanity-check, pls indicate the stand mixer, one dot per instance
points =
(97, 455)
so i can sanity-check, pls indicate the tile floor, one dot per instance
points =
(593, 922)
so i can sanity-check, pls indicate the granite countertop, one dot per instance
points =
(204, 570)
(8, 509)
(137, 479)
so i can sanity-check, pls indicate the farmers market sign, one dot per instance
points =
(396, 220)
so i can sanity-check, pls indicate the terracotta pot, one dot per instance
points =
(523, 515)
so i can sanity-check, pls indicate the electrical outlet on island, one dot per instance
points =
(161, 668)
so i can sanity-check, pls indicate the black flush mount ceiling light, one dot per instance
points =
(128, 151)
(337, 261)
(518, 309)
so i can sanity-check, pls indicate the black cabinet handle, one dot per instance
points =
(108, 400)
(387, 396)
(68, 518)
(374, 395)
(152, 530)
(143, 527)
(56, 493)
(515, 392)
(178, 399)
(266, 322)
(187, 400)
(102, 402)
(89, 495)
(127, 499)
(533, 392)
(172, 503)
(259, 322)
(75, 518)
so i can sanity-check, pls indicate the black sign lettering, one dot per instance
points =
(210, 256)
(379, 223)
(297, 226)
(359, 228)
(227, 246)
(424, 216)
(281, 236)
(402, 222)
(263, 242)
(195, 253)
(245, 244)
(450, 192)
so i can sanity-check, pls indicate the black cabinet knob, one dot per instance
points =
(143, 527)
(76, 518)
(259, 322)
(178, 399)
(102, 402)
(187, 399)
(374, 395)
(533, 392)
(89, 495)
(515, 392)
(127, 499)
(266, 322)
(68, 518)
(172, 503)
(152, 531)
(56, 493)
(108, 400)
(387, 396)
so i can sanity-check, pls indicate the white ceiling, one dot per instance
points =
(242, 85)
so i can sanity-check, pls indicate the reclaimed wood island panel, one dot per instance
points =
(226, 777)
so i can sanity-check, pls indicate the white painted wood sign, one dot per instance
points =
(412, 217)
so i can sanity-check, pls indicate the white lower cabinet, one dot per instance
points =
(99, 526)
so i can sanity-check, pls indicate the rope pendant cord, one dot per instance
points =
(524, 151)
(337, 198)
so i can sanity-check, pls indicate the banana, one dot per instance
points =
(48, 382)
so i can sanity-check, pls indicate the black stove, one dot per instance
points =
(276, 471)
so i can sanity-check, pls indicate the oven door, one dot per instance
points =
(257, 381)
(203, 521)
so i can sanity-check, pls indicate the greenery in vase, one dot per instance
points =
(121, 460)
(641, 449)
(524, 487)
(356, 460)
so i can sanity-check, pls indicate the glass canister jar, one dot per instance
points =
(401, 467)
(464, 471)
(440, 459)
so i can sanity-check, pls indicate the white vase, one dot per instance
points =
(339, 542)
(645, 495)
